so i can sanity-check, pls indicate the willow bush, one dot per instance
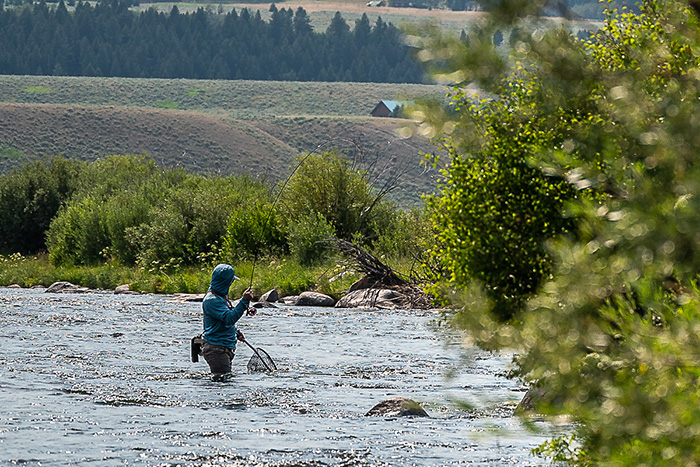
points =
(129, 210)
(123, 219)
(255, 229)
(333, 186)
(610, 329)
(309, 239)
(495, 212)
(30, 197)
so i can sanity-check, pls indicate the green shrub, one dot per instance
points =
(195, 92)
(113, 174)
(122, 213)
(167, 104)
(25, 271)
(37, 90)
(328, 184)
(494, 216)
(129, 210)
(30, 198)
(296, 280)
(404, 235)
(10, 153)
(77, 235)
(310, 239)
(254, 230)
(162, 239)
(213, 204)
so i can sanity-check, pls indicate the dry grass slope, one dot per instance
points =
(196, 141)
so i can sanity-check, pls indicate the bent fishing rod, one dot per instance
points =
(262, 233)
(284, 185)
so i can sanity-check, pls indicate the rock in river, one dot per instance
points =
(397, 407)
(314, 299)
(373, 298)
(125, 289)
(66, 287)
(270, 296)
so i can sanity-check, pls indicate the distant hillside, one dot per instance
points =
(211, 126)
(321, 12)
(236, 99)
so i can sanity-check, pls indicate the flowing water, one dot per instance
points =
(103, 379)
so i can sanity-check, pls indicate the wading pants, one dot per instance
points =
(219, 358)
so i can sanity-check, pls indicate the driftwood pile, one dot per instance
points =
(379, 276)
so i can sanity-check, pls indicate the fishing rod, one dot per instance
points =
(284, 185)
(271, 365)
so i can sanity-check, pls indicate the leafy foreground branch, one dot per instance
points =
(583, 254)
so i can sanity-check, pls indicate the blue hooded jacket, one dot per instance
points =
(219, 315)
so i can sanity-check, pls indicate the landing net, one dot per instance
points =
(261, 363)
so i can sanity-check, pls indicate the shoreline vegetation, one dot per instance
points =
(285, 275)
(289, 279)
(125, 220)
(563, 230)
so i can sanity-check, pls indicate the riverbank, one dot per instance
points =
(289, 278)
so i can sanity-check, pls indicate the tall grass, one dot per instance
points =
(287, 275)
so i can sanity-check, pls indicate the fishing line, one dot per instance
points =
(284, 185)
(261, 360)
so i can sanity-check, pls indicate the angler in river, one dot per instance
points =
(220, 317)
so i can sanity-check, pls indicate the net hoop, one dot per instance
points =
(261, 361)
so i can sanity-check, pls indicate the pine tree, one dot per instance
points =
(302, 22)
(362, 31)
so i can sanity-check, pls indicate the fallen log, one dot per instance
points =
(381, 276)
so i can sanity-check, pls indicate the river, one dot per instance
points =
(102, 379)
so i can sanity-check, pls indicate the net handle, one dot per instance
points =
(258, 354)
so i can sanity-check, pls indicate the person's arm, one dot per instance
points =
(218, 310)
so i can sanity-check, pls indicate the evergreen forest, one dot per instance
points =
(108, 39)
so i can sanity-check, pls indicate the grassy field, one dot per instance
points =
(256, 127)
(236, 99)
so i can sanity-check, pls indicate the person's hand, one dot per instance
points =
(248, 294)
(239, 336)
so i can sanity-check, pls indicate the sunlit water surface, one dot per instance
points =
(104, 379)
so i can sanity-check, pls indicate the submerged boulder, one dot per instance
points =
(66, 287)
(289, 300)
(124, 289)
(373, 298)
(314, 299)
(397, 407)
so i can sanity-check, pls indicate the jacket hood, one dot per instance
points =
(222, 277)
